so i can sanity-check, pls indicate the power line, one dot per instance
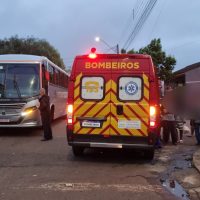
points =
(157, 18)
(139, 24)
(139, 8)
(127, 26)
(141, 21)
(132, 16)
(135, 27)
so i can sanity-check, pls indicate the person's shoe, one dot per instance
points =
(175, 143)
(181, 141)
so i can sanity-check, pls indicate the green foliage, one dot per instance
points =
(32, 46)
(132, 51)
(164, 64)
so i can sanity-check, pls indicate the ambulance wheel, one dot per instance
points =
(149, 154)
(77, 151)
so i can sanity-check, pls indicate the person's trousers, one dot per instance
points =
(46, 123)
(169, 128)
(197, 132)
(181, 134)
(192, 129)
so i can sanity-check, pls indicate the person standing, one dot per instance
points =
(45, 115)
(192, 126)
(179, 124)
(168, 123)
(197, 130)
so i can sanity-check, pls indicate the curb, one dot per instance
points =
(196, 160)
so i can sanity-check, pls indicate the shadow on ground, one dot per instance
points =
(120, 156)
(25, 132)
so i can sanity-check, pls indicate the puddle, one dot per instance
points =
(178, 162)
(175, 188)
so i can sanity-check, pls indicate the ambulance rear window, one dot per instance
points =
(130, 88)
(92, 88)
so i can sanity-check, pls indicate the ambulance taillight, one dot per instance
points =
(92, 54)
(69, 114)
(152, 113)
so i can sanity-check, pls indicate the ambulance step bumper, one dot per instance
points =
(112, 145)
(106, 145)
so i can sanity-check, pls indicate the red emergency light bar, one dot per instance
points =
(92, 54)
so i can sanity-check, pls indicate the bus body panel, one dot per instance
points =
(58, 96)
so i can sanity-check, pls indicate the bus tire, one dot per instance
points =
(149, 154)
(77, 151)
(52, 113)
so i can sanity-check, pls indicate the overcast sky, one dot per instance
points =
(71, 25)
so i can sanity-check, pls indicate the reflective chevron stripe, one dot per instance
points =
(133, 111)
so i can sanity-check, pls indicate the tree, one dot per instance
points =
(163, 63)
(32, 46)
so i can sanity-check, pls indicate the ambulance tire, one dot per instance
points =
(149, 154)
(77, 151)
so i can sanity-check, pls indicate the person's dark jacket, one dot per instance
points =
(44, 105)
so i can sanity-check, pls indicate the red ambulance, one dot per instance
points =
(113, 102)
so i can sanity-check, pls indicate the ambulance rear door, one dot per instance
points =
(92, 100)
(130, 99)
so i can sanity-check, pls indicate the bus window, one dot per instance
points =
(56, 78)
(66, 81)
(61, 79)
(51, 73)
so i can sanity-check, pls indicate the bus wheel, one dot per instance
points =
(77, 151)
(149, 154)
(52, 113)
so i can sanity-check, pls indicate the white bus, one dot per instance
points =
(21, 77)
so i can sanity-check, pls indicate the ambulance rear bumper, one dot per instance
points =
(112, 145)
(118, 142)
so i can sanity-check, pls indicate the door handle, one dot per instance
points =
(120, 110)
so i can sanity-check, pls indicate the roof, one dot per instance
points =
(122, 56)
(21, 57)
(188, 68)
(26, 58)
